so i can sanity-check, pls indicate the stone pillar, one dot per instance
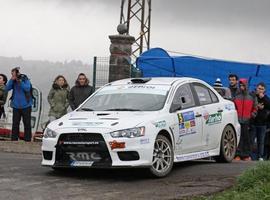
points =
(120, 50)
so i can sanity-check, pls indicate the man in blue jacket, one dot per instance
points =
(21, 102)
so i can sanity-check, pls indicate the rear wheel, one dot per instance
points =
(162, 157)
(228, 145)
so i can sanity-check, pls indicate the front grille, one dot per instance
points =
(82, 147)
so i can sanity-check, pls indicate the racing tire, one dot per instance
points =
(163, 156)
(228, 145)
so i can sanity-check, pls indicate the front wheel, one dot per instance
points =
(228, 145)
(162, 157)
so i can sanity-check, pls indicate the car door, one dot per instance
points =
(212, 115)
(188, 121)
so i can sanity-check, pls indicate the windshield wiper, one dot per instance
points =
(122, 109)
(85, 109)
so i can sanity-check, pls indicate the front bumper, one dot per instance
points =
(93, 150)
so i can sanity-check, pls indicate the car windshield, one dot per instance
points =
(137, 97)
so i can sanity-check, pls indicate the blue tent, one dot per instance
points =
(157, 62)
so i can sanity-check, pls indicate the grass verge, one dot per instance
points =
(253, 184)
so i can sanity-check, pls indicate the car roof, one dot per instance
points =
(154, 80)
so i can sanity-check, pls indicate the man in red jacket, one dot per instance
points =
(245, 104)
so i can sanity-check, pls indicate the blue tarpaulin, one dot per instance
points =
(157, 62)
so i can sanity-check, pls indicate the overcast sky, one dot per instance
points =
(59, 30)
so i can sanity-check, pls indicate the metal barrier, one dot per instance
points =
(100, 71)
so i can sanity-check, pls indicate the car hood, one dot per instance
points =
(108, 120)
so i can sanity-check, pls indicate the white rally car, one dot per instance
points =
(144, 122)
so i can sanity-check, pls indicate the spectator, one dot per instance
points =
(223, 91)
(245, 105)
(21, 102)
(3, 95)
(260, 121)
(58, 98)
(81, 91)
(218, 83)
(233, 83)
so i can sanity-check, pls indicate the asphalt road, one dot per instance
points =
(22, 177)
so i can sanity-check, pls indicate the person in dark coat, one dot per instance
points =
(246, 106)
(3, 94)
(260, 121)
(80, 92)
(233, 85)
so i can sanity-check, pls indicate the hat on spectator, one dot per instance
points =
(218, 83)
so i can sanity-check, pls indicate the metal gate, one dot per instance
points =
(101, 71)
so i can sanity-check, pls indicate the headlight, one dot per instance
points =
(129, 133)
(49, 133)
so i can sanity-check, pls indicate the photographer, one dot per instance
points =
(21, 102)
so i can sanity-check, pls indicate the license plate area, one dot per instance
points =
(81, 163)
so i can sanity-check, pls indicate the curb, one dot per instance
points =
(20, 147)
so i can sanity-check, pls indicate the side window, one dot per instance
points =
(183, 97)
(203, 94)
(213, 96)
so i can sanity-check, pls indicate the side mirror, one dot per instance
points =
(175, 108)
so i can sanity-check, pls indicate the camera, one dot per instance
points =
(16, 70)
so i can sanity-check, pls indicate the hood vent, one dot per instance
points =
(103, 114)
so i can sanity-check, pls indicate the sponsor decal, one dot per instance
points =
(117, 145)
(182, 126)
(84, 156)
(188, 116)
(86, 142)
(205, 115)
(145, 141)
(193, 156)
(142, 86)
(214, 119)
(192, 123)
(229, 107)
(160, 124)
(87, 123)
(186, 123)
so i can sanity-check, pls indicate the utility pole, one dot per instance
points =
(138, 21)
